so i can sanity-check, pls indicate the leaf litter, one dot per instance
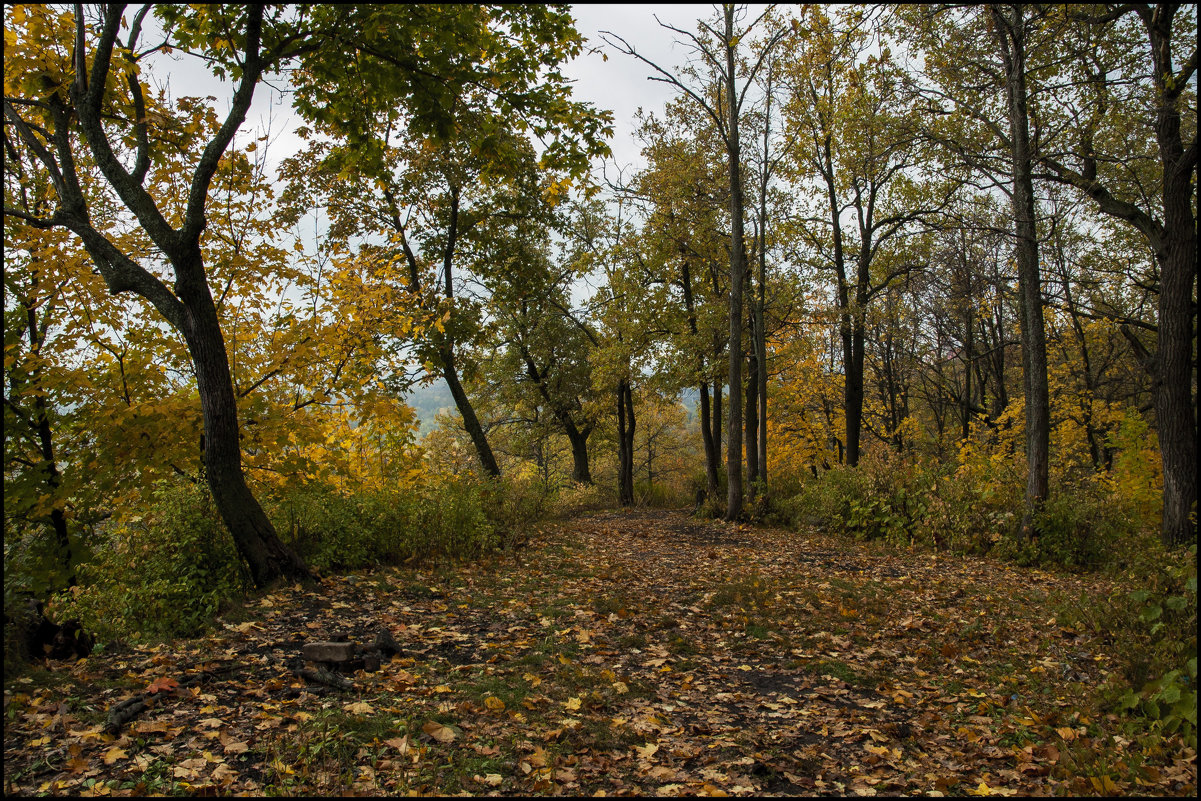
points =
(637, 652)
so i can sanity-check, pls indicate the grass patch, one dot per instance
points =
(840, 670)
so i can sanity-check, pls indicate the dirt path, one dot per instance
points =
(629, 652)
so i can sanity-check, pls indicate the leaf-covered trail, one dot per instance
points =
(630, 652)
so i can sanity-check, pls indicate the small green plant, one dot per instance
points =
(163, 572)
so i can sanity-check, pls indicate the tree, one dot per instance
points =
(860, 145)
(1134, 90)
(721, 98)
(92, 104)
(440, 172)
(685, 226)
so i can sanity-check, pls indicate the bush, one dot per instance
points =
(164, 572)
(1079, 526)
(1155, 676)
(451, 517)
(973, 508)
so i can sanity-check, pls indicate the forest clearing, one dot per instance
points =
(640, 652)
(600, 399)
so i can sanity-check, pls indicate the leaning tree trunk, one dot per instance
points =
(253, 535)
(470, 421)
(1011, 37)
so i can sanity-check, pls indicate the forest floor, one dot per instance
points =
(642, 652)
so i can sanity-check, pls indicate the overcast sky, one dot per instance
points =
(619, 84)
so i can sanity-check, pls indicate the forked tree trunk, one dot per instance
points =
(579, 450)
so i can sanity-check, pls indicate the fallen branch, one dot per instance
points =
(322, 675)
(133, 706)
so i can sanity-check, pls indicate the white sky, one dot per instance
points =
(619, 84)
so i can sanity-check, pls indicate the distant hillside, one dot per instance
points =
(428, 401)
(436, 397)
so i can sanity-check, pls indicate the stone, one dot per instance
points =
(328, 651)
(385, 643)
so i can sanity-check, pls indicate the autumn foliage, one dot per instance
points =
(912, 287)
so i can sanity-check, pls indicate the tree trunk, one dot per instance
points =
(1175, 409)
(854, 387)
(752, 411)
(717, 421)
(1011, 37)
(625, 443)
(761, 373)
(266, 555)
(712, 456)
(737, 273)
(446, 349)
(579, 451)
(470, 422)
(1172, 387)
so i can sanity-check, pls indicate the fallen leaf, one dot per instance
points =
(164, 684)
(647, 751)
(113, 754)
(441, 733)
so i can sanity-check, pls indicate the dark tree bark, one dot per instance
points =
(265, 554)
(190, 308)
(712, 454)
(752, 402)
(579, 451)
(1174, 243)
(1010, 28)
(625, 443)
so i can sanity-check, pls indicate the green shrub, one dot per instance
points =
(662, 496)
(161, 573)
(443, 517)
(1079, 526)
(1157, 624)
(973, 508)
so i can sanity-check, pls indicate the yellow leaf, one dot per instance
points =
(113, 754)
(647, 751)
(359, 708)
(572, 704)
(494, 703)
